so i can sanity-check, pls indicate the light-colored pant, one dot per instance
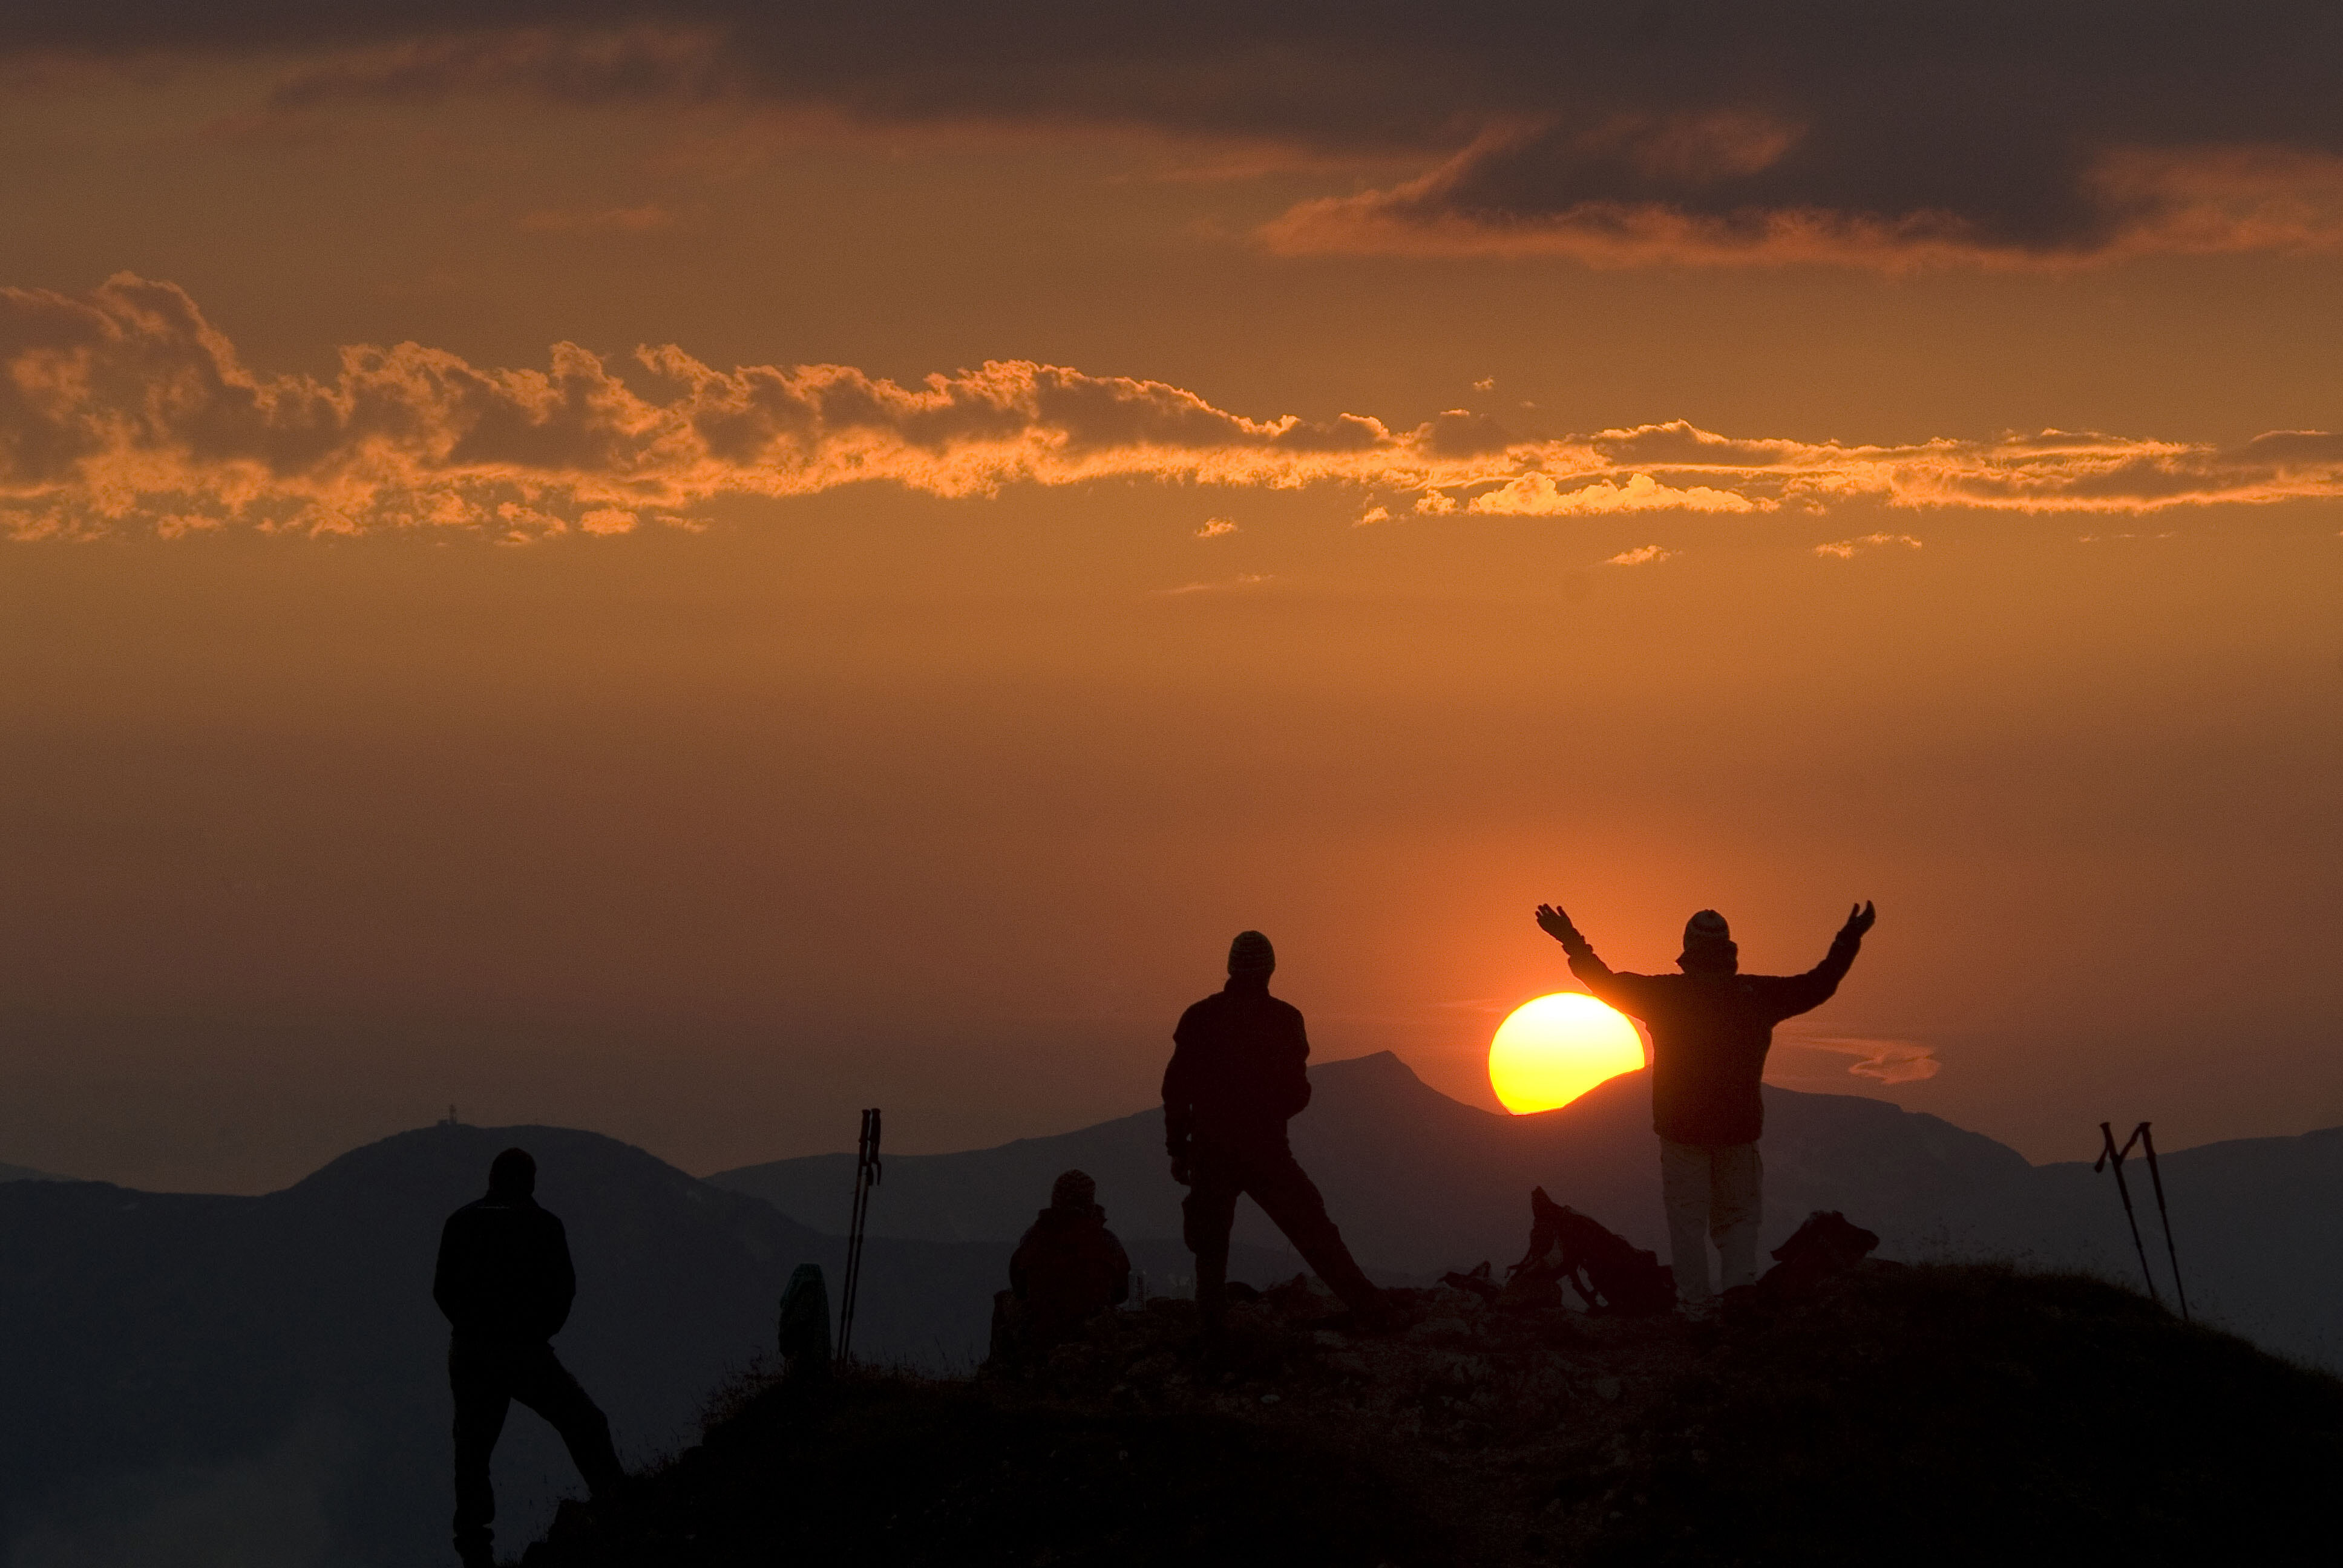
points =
(1713, 1194)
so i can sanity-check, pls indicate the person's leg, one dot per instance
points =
(1736, 1207)
(481, 1399)
(541, 1383)
(1683, 1186)
(1292, 1201)
(1206, 1215)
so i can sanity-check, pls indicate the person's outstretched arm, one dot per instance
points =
(1806, 992)
(1592, 973)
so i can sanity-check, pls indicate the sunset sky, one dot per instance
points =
(686, 568)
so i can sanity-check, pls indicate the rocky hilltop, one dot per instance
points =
(1932, 1414)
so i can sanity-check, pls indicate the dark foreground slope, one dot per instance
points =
(1950, 1414)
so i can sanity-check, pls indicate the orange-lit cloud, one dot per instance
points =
(124, 407)
(1642, 555)
(1236, 584)
(1540, 495)
(1884, 1061)
(1848, 550)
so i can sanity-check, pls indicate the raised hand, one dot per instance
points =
(1859, 920)
(1556, 924)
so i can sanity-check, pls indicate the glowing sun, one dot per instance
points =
(1554, 1049)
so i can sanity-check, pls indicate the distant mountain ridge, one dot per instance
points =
(193, 1379)
(1420, 1183)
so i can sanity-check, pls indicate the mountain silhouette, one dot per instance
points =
(194, 1378)
(1422, 1183)
(200, 1378)
(274, 1366)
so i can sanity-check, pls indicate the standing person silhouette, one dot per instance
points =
(1711, 1027)
(504, 1284)
(1238, 1074)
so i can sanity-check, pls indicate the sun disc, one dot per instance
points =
(1551, 1051)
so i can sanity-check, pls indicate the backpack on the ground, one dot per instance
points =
(1611, 1273)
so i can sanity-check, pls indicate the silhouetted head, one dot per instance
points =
(1251, 958)
(1074, 1190)
(1708, 946)
(513, 1174)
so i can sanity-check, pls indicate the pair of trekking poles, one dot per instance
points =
(867, 1171)
(2146, 1143)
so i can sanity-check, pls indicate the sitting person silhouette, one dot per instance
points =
(1711, 1027)
(1238, 1073)
(504, 1284)
(1067, 1270)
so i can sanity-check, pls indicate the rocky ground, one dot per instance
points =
(1925, 1414)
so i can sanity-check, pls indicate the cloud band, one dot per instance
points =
(1715, 131)
(124, 407)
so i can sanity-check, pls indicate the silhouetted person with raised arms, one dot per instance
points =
(504, 1282)
(1711, 1027)
(1238, 1074)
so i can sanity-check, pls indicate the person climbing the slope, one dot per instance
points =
(504, 1284)
(1711, 1027)
(1238, 1074)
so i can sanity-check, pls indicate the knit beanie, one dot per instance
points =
(1251, 954)
(1708, 943)
(1074, 1190)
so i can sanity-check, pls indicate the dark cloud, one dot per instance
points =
(1708, 129)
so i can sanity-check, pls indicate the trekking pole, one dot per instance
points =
(2147, 1142)
(866, 1176)
(2109, 1151)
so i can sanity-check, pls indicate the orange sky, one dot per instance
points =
(698, 746)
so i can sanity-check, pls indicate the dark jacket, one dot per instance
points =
(504, 1270)
(1069, 1268)
(1239, 1070)
(1710, 1033)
